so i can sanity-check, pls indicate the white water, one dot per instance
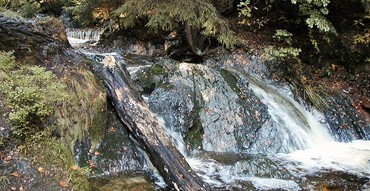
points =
(301, 129)
(77, 37)
(347, 157)
(310, 148)
(319, 150)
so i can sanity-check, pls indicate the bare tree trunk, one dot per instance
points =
(195, 46)
(141, 122)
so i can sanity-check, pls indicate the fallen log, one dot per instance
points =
(136, 115)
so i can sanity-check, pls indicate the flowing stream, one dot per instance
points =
(307, 148)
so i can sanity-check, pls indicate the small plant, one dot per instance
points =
(286, 50)
(245, 8)
(283, 36)
(315, 10)
(274, 53)
(4, 179)
(316, 95)
(362, 38)
(29, 93)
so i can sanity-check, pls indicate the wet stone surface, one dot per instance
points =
(116, 152)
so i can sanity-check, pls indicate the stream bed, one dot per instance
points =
(237, 132)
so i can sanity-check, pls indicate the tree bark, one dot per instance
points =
(136, 115)
(195, 46)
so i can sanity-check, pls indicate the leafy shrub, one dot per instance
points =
(245, 8)
(274, 53)
(25, 8)
(29, 93)
(315, 10)
(286, 50)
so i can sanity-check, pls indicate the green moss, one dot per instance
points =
(146, 80)
(231, 80)
(157, 69)
(53, 156)
(84, 111)
(193, 137)
(99, 121)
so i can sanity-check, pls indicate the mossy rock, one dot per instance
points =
(84, 111)
(193, 137)
(231, 80)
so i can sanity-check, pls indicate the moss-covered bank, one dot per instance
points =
(44, 159)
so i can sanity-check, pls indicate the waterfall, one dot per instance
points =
(317, 149)
(307, 148)
(298, 128)
(80, 36)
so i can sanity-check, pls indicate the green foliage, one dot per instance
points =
(7, 61)
(245, 8)
(89, 12)
(274, 53)
(4, 3)
(10, 14)
(283, 36)
(166, 15)
(285, 51)
(82, 11)
(312, 11)
(26, 8)
(315, 10)
(29, 92)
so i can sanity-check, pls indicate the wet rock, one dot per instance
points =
(135, 41)
(220, 103)
(122, 182)
(116, 153)
(333, 181)
(344, 121)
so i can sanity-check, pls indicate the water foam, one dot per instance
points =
(350, 157)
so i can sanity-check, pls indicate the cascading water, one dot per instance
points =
(79, 36)
(301, 129)
(305, 146)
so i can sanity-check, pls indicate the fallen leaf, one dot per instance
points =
(41, 170)
(7, 158)
(63, 184)
(74, 167)
(15, 174)
(334, 67)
